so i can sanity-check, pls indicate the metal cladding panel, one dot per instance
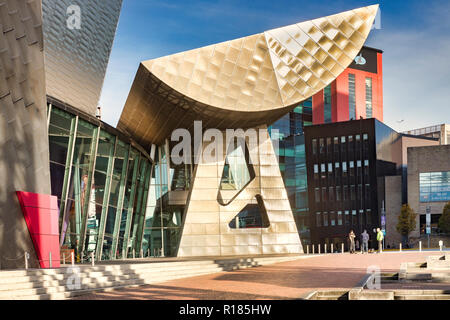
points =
(245, 82)
(24, 155)
(206, 229)
(76, 59)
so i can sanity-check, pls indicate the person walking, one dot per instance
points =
(351, 238)
(365, 242)
(380, 237)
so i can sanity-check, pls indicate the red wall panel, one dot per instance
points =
(41, 215)
(318, 108)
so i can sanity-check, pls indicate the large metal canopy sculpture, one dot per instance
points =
(246, 82)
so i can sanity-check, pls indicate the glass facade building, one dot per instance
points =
(111, 194)
(292, 160)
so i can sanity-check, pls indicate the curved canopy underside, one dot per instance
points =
(245, 82)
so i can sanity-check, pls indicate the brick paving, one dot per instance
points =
(286, 280)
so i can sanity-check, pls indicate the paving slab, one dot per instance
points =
(280, 281)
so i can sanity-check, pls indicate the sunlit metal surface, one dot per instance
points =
(245, 82)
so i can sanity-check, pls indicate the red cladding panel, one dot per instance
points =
(318, 108)
(342, 113)
(41, 215)
(38, 200)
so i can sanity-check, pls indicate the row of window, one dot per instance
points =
(344, 169)
(333, 145)
(340, 218)
(338, 194)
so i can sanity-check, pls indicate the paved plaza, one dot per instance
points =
(281, 281)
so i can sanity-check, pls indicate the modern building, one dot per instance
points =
(244, 83)
(118, 192)
(428, 184)
(53, 50)
(347, 165)
(442, 132)
(356, 93)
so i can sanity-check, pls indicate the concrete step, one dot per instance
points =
(42, 284)
(43, 289)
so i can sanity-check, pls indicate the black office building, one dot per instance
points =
(344, 163)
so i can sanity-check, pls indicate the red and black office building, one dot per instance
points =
(356, 93)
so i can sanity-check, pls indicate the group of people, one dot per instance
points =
(354, 243)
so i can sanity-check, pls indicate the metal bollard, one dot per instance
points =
(342, 250)
(441, 245)
(50, 256)
(142, 253)
(134, 254)
(420, 246)
(400, 247)
(332, 248)
(313, 249)
(325, 248)
(72, 257)
(148, 253)
(92, 258)
(26, 260)
(319, 249)
(307, 249)
(64, 258)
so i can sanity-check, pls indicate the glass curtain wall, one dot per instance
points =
(351, 97)
(292, 161)
(113, 200)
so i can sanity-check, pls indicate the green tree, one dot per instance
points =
(444, 220)
(406, 221)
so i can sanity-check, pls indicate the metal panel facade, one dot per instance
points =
(23, 130)
(77, 48)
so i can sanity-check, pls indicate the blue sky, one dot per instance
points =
(414, 36)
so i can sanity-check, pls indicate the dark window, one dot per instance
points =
(322, 146)
(368, 217)
(347, 218)
(318, 219)
(338, 193)
(368, 192)
(314, 146)
(324, 194)
(345, 193)
(352, 193)
(325, 219)
(317, 195)
(336, 145)
(350, 144)
(331, 194)
(329, 146)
